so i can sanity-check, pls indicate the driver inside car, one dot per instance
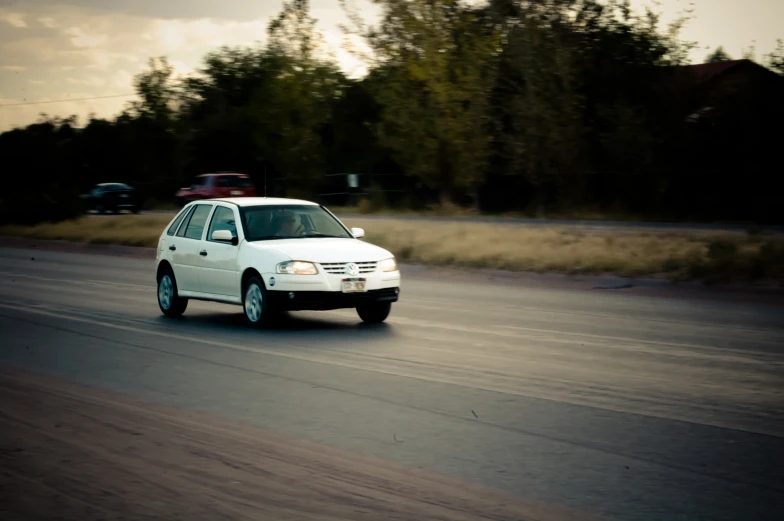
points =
(287, 223)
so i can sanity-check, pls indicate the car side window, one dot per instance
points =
(198, 220)
(177, 221)
(181, 231)
(222, 219)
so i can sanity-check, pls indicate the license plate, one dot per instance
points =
(354, 285)
(236, 192)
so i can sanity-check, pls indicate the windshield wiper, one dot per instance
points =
(308, 236)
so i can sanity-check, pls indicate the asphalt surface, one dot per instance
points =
(612, 403)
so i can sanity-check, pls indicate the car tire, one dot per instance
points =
(171, 304)
(374, 313)
(255, 304)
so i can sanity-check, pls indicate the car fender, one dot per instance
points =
(262, 259)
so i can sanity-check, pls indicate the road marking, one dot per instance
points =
(468, 307)
(476, 381)
(629, 344)
(618, 339)
(20, 306)
(373, 363)
(552, 335)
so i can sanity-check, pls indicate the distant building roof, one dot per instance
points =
(704, 72)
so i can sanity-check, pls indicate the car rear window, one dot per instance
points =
(173, 228)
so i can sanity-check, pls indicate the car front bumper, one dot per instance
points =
(325, 300)
(323, 291)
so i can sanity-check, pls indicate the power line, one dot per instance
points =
(64, 100)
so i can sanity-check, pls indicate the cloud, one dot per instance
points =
(175, 35)
(98, 46)
(14, 19)
(21, 116)
(48, 22)
(80, 39)
(122, 80)
(181, 69)
(89, 81)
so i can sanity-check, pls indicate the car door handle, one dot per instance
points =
(203, 253)
(172, 247)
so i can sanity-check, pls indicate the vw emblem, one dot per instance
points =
(352, 269)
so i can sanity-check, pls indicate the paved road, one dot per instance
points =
(622, 405)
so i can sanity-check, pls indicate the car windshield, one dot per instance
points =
(271, 222)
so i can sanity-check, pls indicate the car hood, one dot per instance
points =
(324, 249)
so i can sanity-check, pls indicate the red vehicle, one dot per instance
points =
(210, 186)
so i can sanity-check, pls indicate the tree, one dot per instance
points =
(718, 55)
(149, 128)
(44, 171)
(558, 104)
(293, 32)
(290, 119)
(580, 94)
(434, 58)
(157, 92)
(775, 59)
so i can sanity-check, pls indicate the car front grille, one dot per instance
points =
(340, 268)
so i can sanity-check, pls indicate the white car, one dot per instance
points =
(270, 255)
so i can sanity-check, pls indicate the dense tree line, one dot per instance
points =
(525, 105)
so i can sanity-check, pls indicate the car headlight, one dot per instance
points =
(297, 268)
(388, 264)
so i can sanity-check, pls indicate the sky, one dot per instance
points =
(53, 50)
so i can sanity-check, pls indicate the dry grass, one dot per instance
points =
(128, 230)
(729, 256)
(720, 258)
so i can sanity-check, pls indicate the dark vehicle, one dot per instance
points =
(213, 186)
(112, 198)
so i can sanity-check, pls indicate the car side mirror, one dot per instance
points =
(358, 233)
(224, 236)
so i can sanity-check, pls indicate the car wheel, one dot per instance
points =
(255, 304)
(171, 304)
(374, 313)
